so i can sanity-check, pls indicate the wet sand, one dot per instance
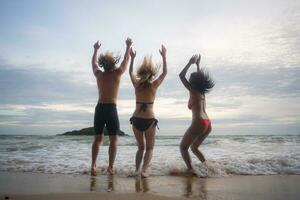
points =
(60, 186)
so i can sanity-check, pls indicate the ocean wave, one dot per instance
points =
(31, 148)
(226, 155)
(212, 168)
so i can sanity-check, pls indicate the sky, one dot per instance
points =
(250, 48)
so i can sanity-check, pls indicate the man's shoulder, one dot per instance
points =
(119, 71)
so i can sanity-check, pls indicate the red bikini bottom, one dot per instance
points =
(205, 122)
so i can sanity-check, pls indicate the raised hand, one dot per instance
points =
(163, 51)
(97, 45)
(193, 59)
(128, 42)
(132, 53)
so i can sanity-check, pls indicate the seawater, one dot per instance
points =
(226, 155)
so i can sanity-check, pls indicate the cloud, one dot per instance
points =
(251, 50)
(27, 86)
(258, 81)
(43, 98)
(242, 39)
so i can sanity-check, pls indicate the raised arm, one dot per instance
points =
(198, 62)
(163, 53)
(95, 66)
(132, 76)
(125, 60)
(184, 71)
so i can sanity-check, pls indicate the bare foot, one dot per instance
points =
(203, 176)
(134, 174)
(110, 171)
(144, 175)
(191, 172)
(93, 171)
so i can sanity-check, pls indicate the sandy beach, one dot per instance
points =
(60, 186)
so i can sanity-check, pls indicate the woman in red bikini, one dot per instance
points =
(143, 119)
(198, 85)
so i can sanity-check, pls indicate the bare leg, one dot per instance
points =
(140, 152)
(190, 135)
(112, 153)
(95, 150)
(150, 140)
(186, 141)
(196, 144)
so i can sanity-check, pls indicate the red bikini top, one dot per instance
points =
(191, 104)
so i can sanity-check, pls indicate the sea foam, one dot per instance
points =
(226, 155)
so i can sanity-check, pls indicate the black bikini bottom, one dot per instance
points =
(142, 124)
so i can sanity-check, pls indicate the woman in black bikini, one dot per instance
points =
(199, 83)
(143, 119)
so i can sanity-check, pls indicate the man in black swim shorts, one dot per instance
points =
(106, 114)
(108, 81)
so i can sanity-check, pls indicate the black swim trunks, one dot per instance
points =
(106, 114)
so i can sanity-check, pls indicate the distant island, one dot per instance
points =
(90, 131)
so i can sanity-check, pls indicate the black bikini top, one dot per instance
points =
(144, 105)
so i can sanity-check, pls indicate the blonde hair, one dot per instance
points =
(108, 61)
(147, 71)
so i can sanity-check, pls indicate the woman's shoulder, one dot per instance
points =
(145, 87)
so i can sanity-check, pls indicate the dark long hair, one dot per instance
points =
(108, 61)
(201, 81)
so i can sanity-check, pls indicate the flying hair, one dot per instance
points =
(201, 81)
(147, 72)
(107, 61)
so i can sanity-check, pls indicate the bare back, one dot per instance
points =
(145, 94)
(197, 103)
(108, 86)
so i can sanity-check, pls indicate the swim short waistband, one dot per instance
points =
(106, 104)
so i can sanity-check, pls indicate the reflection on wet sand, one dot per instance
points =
(141, 184)
(195, 187)
(203, 189)
(110, 183)
(39, 186)
(189, 187)
(93, 183)
(109, 180)
(185, 186)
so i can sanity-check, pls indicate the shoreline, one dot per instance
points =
(19, 185)
(92, 196)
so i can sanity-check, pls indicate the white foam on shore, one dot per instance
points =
(232, 155)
